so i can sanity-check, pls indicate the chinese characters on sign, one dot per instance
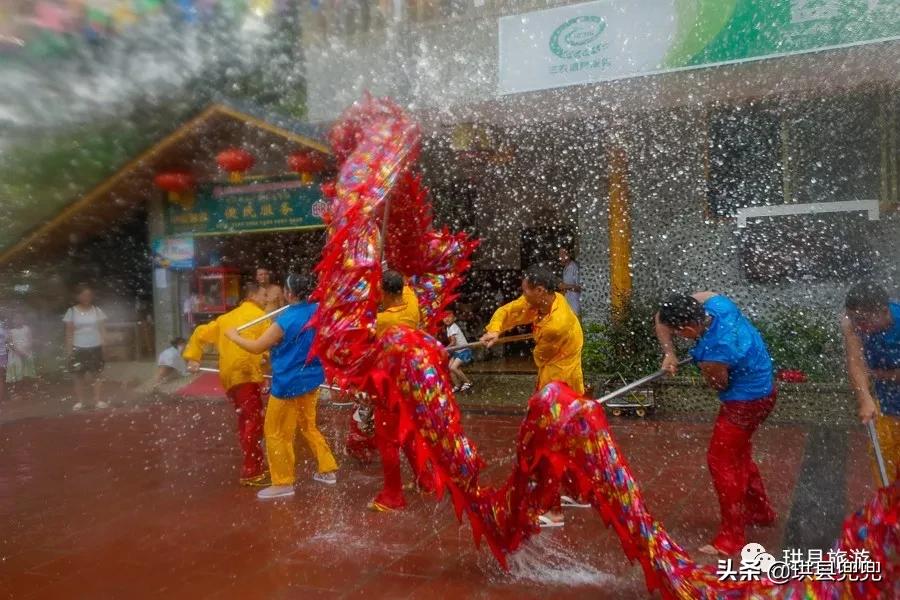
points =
(600, 63)
(255, 207)
(587, 42)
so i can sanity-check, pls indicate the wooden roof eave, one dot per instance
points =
(141, 162)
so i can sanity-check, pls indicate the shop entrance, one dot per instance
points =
(280, 252)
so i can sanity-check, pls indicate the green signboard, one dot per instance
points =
(726, 31)
(613, 39)
(256, 206)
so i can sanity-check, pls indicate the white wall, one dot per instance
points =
(447, 72)
(678, 248)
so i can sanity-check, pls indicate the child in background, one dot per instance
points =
(458, 358)
(170, 362)
(21, 352)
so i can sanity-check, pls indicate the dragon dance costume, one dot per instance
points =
(564, 443)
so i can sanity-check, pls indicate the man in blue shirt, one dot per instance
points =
(871, 328)
(734, 361)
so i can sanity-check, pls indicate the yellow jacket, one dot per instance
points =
(558, 339)
(406, 313)
(236, 366)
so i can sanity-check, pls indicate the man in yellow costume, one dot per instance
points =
(399, 306)
(558, 341)
(398, 302)
(557, 332)
(241, 375)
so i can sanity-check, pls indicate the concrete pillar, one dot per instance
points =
(165, 302)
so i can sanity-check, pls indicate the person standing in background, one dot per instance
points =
(274, 293)
(189, 307)
(571, 279)
(458, 358)
(21, 351)
(85, 337)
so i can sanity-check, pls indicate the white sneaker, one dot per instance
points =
(275, 491)
(101, 405)
(78, 406)
(329, 478)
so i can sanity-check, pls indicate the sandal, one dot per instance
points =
(569, 502)
(546, 522)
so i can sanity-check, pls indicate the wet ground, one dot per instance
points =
(142, 500)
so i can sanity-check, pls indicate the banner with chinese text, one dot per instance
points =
(255, 206)
(614, 39)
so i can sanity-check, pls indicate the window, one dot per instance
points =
(806, 247)
(824, 150)
(744, 160)
(834, 149)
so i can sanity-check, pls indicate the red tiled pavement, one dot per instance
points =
(143, 502)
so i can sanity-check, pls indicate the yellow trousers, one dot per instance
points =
(283, 417)
(888, 429)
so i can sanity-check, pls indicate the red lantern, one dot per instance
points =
(235, 161)
(307, 163)
(179, 185)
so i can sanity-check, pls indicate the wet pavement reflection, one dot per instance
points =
(143, 500)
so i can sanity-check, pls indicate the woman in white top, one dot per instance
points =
(21, 351)
(85, 334)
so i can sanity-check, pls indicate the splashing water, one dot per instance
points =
(546, 560)
(564, 442)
